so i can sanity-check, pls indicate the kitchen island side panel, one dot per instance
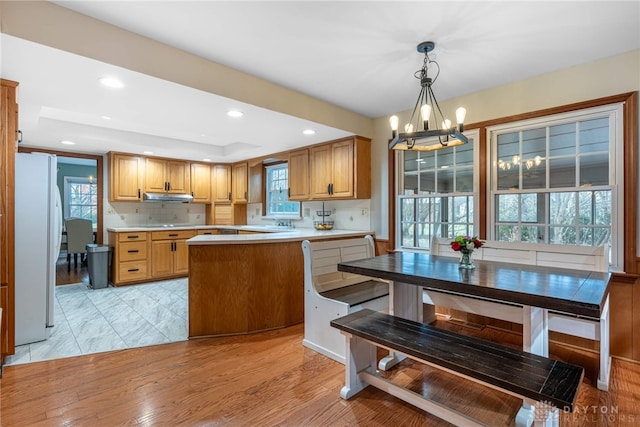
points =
(238, 289)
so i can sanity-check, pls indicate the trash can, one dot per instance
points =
(99, 264)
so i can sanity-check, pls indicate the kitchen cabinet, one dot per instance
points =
(226, 214)
(126, 176)
(240, 180)
(201, 182)
(8, 138)
(166, 176)
(170, 253)
(341, 169)
(256, 187)
(131, 257)
(299, 175)
(221, 184)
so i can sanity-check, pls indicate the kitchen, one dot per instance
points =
(376, 209)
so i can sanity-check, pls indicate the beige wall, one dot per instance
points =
(49, 24)
(611, 76)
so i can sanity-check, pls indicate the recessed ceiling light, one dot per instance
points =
(203, 134)
(235, 113)
(67, 142)
(106, 117)
(147, 152)
(207, 160)
(309, 132)
(111, 82)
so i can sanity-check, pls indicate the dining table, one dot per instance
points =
(534, 290)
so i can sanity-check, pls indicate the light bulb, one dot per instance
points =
(446, 124)
(393, 121)
(408, 128)
(460, 115)
(425, 111)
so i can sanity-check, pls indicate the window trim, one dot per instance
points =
(267, 213)
(629, 160)
(474, 138)
(615, 114)
(68, 180)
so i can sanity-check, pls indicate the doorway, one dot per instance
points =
(80, 181)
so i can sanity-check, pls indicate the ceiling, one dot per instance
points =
(359, 55)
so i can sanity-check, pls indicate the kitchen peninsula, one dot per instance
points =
(247, 283)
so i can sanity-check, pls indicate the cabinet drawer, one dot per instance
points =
(132, 236)
(132, 270)
(210, 231)
(172, 234)
(132, 251)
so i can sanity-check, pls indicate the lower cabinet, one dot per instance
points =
(170, 253)
(130, 257)
(146, 256)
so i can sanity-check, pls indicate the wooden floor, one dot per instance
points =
(270, 379)
(77, 274)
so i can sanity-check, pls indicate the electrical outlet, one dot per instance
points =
(364, 212)
(307, 212)
(109, 211)
(137, 210)
(122, 217)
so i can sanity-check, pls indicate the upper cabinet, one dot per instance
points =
(126, 177)
(255, 183)
(341, 169)
(201, 182)
(240, 178)
(299, 175)
(221, 184)
(167, 176)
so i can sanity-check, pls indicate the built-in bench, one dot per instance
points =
(329, 293)
(573, 257)
(552, 384)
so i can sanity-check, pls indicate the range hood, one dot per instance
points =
(167, 198)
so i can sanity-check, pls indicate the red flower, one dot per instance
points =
(455, 246)
(477, 243)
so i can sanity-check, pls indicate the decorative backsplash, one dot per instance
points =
(346, 214)
(123, 214)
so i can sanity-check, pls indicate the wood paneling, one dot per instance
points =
(235, 289)
(8, 138)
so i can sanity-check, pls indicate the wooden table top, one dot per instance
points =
(576, 292)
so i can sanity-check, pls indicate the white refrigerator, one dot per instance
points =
(38, 227)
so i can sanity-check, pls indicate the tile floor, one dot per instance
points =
(92, 321)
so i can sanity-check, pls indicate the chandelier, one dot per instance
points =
(427, 139)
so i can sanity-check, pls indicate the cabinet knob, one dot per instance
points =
(229, 195)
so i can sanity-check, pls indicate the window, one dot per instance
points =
(278, 203)
(81, 199)
(554, 179)
(436, 194)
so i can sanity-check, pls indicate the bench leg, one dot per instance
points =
(359, 355)
(404, 301)
(537, 414)
(535, 339)
(605, 359)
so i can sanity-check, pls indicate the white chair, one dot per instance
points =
(79, 235)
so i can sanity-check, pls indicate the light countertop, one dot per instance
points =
(265, 233)
(291, 235)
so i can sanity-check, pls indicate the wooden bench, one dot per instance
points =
(552, 384)
(329, 293)
(574, 257)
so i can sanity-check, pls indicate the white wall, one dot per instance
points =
(611, 76)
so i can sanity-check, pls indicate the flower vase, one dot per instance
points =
(466, 262)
